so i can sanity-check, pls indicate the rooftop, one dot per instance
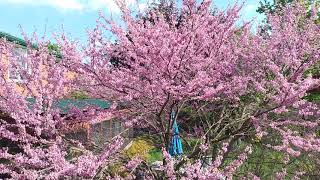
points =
(14, 39)
(66, 104)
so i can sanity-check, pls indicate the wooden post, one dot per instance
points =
(89, 133)
(110, 128)
(101, 133)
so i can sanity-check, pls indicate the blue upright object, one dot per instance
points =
(176, 145)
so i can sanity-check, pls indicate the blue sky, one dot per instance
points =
(75, 15)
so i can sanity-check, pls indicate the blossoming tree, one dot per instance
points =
(166, 64)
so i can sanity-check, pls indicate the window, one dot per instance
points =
(17, 63)
(97, 133)
(106, 130)
(116, 128)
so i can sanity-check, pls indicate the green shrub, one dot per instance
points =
(117, 169)
(313, 97)
(139, 148)
(79, 95)
(155, 155)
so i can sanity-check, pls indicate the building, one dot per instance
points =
(90, 131)
(84, 130)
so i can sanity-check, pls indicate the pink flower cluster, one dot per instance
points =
(32, 143)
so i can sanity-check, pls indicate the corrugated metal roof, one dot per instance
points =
(66, 104)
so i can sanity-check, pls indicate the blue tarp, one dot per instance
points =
(175, 147)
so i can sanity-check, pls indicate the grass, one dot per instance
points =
(155, 155)
(265, 162)
(149, 147)
(313, 97)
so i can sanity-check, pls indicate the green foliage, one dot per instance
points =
(155, 155)
(313, 97)
(54, 49)
(314, 70)
(139, 148)
(267, 7)
(117, 169)
(74, 152)
(252, 97)
(79, 95)
(265, 162)
(190, 144)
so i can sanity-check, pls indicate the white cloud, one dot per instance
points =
(250, 7)
(78, 5)
(58, 4)
(142, 6)
(249, 10)
(110, 5)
